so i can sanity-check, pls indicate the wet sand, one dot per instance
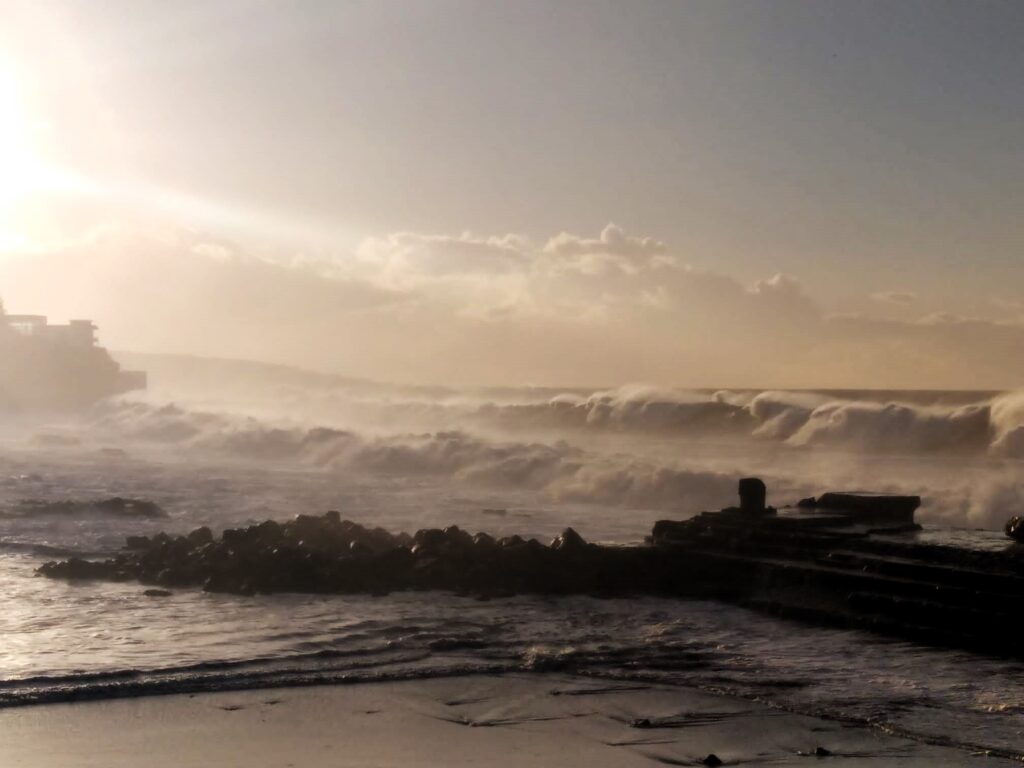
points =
(499, 722)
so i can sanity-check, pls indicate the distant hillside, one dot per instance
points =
(202, 373)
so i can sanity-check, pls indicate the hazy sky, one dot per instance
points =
(380, 187)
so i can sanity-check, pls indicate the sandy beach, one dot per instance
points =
(518, 720)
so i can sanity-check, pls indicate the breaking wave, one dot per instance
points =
(558, 470)
(652, 449)
(905, 422)
(910, 422)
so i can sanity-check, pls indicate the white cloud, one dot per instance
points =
(612, 241)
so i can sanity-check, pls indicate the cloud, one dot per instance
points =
(612, 249)
(1009, 305)
(502, 309)
(404, 258)
(191, 294)
(901, 298)
(607, 280)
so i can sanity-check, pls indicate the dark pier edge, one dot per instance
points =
(842, 559)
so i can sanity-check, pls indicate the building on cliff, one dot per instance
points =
(46, 366)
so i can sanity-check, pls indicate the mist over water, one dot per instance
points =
(229, 444)
(644, 451)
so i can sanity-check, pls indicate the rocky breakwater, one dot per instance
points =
(846, 559)
(328, 554)
(854, 559)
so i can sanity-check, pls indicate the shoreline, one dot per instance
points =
(512, 719)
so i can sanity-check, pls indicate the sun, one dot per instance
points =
(21, 169)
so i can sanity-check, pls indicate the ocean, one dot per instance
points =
(232, 446)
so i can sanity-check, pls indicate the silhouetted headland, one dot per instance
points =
(845, 559)
(56, 367)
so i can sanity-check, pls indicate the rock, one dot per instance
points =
(822, 752)
(358, 548)
(484, 541)
(753, 495)
(712, 760)
(871, 508)
(533, 546)
(671, 531)
(307, 528)
(1014, 528)
(200, 536)
(77, 569)
(233, 536)
(568, 541)
(456, 538)
(427, 541)
(270, 532)
(157, 593)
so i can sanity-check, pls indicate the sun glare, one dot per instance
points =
(21, 171)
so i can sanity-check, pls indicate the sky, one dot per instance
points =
(717, 193)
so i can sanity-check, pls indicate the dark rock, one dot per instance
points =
(77, 569)
(712, 760)
(534, 546)
(269, 532)
(1014, 528)
(458, 538)
(484, 541)
(872, 508)
(233, 536)
(200, 536)
(428, 541)
(568, 541)
(157, 593)
(358, 548)
(753, 495)
(671, 531)
(307, 528)
(822, 752)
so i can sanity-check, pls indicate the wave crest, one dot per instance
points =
(920, 424)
